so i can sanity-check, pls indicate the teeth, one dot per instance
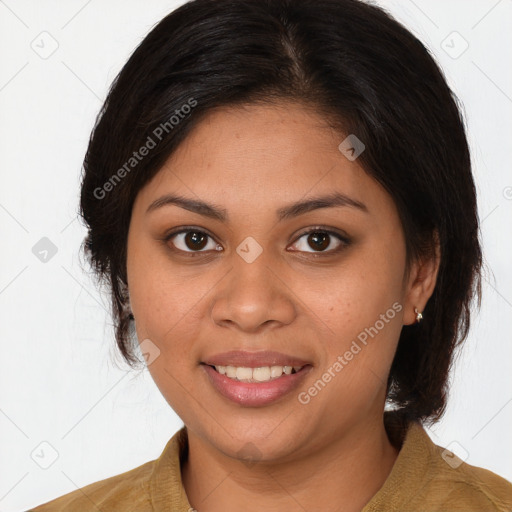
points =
(244, 373)
(261, 374)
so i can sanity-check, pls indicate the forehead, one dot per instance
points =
(258, 154)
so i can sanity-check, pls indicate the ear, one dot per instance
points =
(421, 282)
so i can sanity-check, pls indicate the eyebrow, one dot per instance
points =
(292, 210)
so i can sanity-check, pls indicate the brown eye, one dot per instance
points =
(319, 241)
(192, 241)
(195, 240)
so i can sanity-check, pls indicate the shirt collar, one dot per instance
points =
(166, 487)
(412, 470)
(168, 494)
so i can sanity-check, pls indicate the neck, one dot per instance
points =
(342, 476)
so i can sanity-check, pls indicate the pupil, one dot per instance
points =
(321, 240)
(195, 240)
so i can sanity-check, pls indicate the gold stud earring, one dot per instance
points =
(419, 316)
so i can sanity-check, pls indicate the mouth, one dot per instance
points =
(259, 374)
(255, 379)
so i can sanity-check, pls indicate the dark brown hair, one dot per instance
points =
(355, 66)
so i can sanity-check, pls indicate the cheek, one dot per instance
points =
(363, 290)
(167, 311)
(364, 310)
(161, 294)
(172, 306)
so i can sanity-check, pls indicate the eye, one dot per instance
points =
(316, 240)
(321, 240)
(192, 240)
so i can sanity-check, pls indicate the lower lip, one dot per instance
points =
(255, 394)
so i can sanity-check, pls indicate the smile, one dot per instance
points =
(260, 374)
(255, 387)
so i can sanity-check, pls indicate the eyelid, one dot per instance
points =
(325, 229)
(342, 237)
(186, 229)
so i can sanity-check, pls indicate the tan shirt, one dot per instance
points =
(424, 478)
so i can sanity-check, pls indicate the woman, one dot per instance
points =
(279, 194)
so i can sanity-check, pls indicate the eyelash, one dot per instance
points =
(343, 239)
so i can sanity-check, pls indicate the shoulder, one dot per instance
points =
(128, 491)
(430, 478)
(449, 483)
(155, 485)
(467, 487)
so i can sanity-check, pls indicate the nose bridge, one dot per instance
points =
(252, 295)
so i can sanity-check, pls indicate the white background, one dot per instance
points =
(61, 379)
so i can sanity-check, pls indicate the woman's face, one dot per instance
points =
(247, 270)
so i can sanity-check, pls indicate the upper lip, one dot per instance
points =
(241, 358)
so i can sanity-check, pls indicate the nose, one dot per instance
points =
(253, 297)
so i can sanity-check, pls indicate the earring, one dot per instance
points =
(419, 316)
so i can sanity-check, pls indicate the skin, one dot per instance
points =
(294, 298)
